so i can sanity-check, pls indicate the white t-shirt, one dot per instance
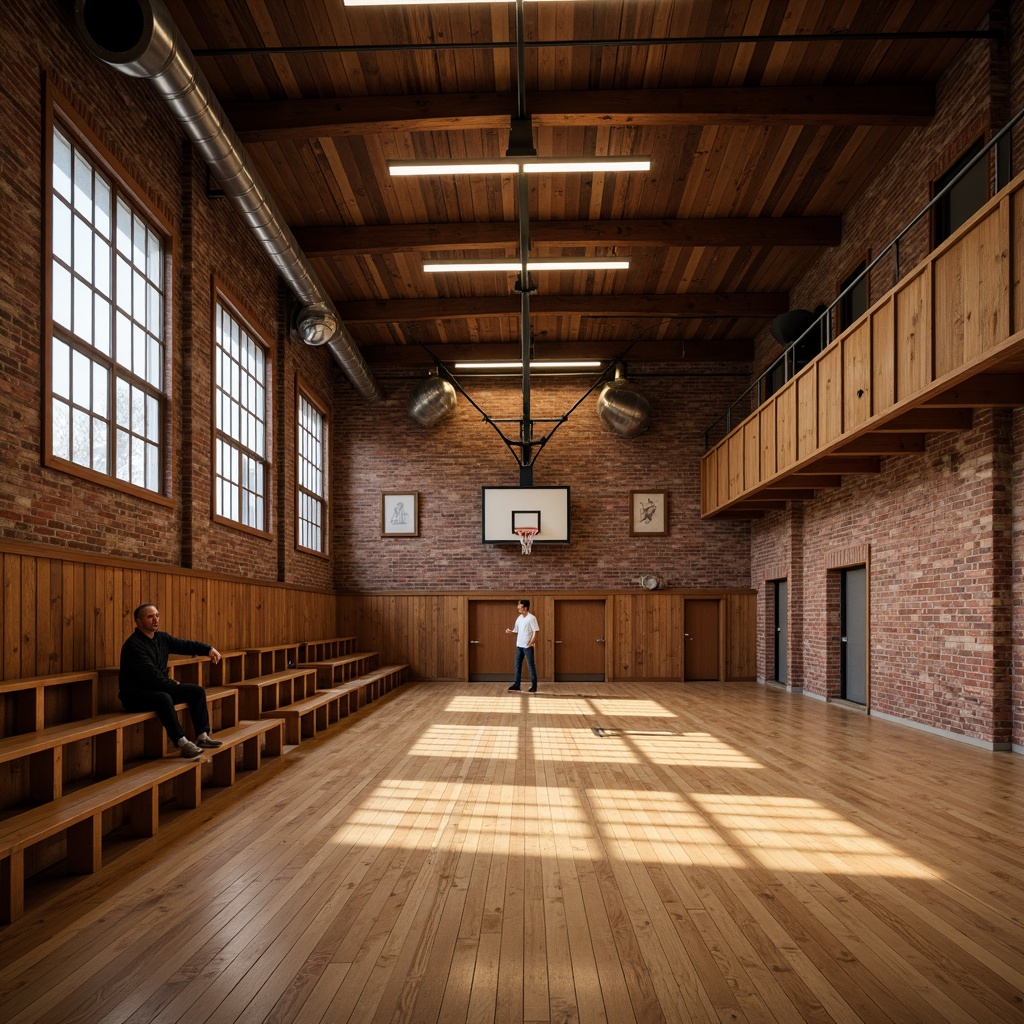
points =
(525, 628)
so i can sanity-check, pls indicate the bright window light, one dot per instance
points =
(513, 266)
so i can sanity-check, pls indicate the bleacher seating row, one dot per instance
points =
(75, 767)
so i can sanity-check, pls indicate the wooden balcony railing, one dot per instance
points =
(948, 339)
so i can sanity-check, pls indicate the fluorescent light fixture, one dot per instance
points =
(547, 364)
(514, 266)
(562, 165)
(513, 165)
(404, 3)
(411, 168)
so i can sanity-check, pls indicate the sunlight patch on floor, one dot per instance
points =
(659, 827)
(444, 814)
(798, 834)
(554, 744)
(482, 705)
(628, 708)
(699, 749)
(488, 741)
(717, 830)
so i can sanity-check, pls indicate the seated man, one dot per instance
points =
(145, 686)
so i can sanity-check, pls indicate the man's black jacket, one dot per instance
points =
(144, 661)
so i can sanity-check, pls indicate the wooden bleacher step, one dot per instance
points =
(80, 817)
(73, 762)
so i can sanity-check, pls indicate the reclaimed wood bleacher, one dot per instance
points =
(75, 767)
(266, 693)
(80, 817)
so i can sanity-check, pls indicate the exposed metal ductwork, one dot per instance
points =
(139, 38)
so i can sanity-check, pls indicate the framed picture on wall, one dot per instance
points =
(400, 514)
(648, 513)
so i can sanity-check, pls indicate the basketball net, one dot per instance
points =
(526, 535)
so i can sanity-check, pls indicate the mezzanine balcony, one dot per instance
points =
(946, 340)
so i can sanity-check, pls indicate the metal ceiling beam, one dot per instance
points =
(337, 240)
(726, 350)
(646, 42)
(664, 307)
(912, 104)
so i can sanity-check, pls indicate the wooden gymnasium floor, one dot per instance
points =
(724, 852)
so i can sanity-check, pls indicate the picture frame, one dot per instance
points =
(400, 514)
(648, 513)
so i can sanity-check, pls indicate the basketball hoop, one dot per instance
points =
(526, 535)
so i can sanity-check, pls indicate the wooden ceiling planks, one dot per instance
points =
(770, 129)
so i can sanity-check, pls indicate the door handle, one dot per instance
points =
(599, 640)
(474, 641)
(558, 641)
(843, 640)
(686, 636)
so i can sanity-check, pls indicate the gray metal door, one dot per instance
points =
(781, 630)
(854, 635)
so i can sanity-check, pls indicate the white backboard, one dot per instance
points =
(544, 507)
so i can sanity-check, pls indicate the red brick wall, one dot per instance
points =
(1017, 584)
(37, 503)
(940, 528)
(945, 535)
(132, 127)
(383, 449)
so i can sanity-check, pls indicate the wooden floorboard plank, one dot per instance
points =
(456, 853)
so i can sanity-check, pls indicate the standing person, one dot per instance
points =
(526, 630)
(145, 686)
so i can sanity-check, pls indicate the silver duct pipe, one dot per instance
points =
(139, 38)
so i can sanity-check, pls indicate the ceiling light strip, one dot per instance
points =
(513, 165)
(516, 364)
(515, 266)
(405, 3)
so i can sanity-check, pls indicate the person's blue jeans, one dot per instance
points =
(527, 653)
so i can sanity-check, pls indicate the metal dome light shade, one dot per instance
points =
(432, 401)
(787, 327)
(622, 409)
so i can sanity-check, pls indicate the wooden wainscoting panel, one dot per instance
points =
(65, 612)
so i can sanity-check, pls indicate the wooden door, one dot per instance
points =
(579, 641)
(701, 642)
(491, 651)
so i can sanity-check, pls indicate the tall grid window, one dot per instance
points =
(107, 313)
(312, 476)
(241, 420)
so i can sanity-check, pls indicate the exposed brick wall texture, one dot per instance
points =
(383, 449)
(133, 126)
(944, 530)
(1017, 583)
